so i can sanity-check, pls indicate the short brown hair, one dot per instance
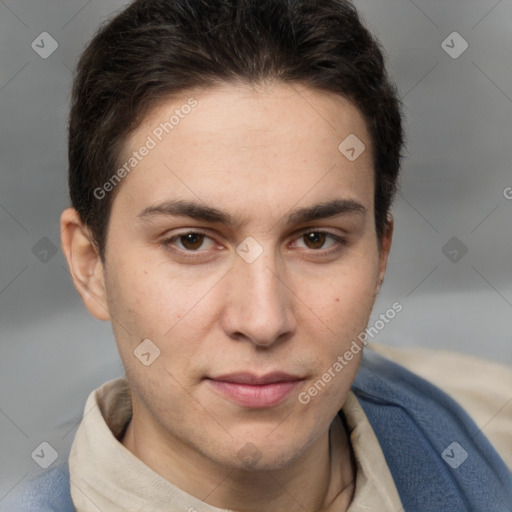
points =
(157, 48)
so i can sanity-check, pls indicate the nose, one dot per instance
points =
(259, 303)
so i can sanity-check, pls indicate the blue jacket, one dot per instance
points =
(439, 459)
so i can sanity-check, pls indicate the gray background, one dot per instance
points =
(457, 170)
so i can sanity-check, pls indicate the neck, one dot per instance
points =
(311, 482)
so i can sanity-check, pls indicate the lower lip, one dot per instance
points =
(253, 396)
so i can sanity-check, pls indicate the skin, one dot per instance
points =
(257, 153)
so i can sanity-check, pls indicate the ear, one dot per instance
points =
(84, 263)
(384, 248)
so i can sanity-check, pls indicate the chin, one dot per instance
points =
(259, 457)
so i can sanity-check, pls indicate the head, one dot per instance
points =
(242, 235)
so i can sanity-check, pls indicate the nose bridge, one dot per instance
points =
(262, 279)
(259, 304)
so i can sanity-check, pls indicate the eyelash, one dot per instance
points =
(340, 242)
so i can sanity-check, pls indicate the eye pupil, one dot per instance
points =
(192, 240)
(316, 240)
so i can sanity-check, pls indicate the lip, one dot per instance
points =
(255, 391)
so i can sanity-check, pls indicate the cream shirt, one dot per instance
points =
(106, 476)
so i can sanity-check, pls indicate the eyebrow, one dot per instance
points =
(185, 208)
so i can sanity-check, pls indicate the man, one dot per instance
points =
(232, 165)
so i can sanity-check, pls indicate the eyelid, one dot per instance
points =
(197, 231)
(340, 240)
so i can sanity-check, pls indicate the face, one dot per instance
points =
(243, 246)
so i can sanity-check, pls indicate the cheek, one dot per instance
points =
(150, 301)
(338, 313)
(344, 310)
(345, 298)
(149, 307)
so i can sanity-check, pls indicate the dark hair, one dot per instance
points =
(156, 48)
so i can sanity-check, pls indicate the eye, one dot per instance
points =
(196, 242)
(190, 242)
(316, 240)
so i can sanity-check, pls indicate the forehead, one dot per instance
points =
(237, 145)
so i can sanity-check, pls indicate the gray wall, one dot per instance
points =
(455, 179)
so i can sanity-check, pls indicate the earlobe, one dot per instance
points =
(84, 263)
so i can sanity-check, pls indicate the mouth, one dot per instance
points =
(253, 391)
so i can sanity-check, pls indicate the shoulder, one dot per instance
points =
(48, 492)
(435, 451)
(482, 388)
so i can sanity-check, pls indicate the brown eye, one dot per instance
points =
(320, 242)
(191, 246)
(192, 241)
(314, 240)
